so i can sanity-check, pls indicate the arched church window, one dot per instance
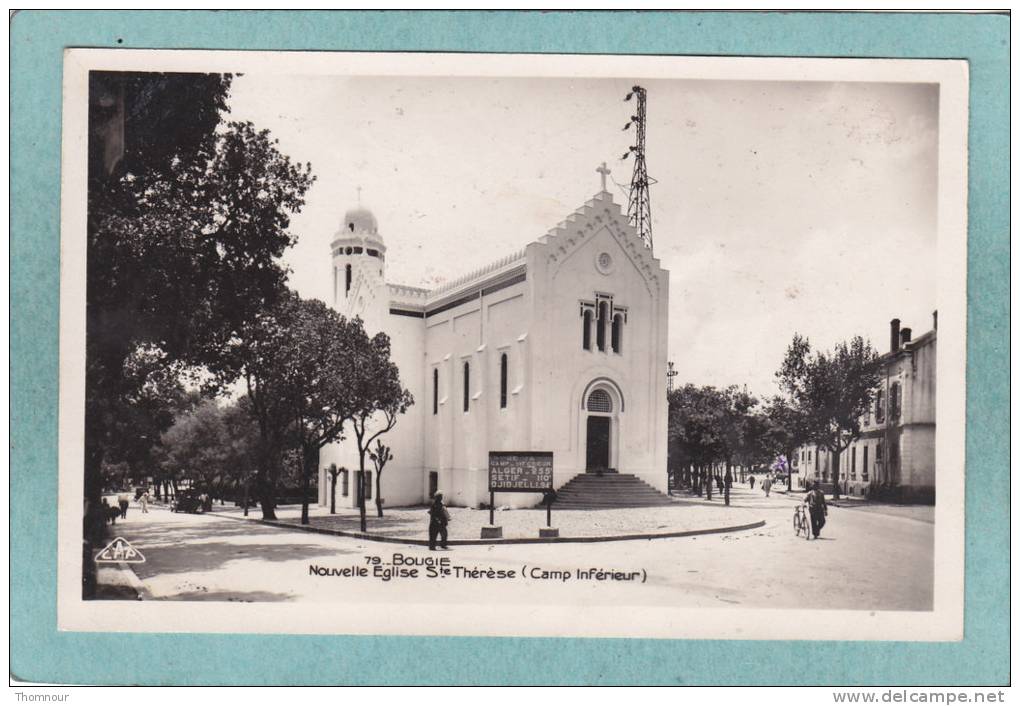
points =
(502, 381)
(600, 326)
(586, 330)
(599, 401)
(347, 271)
(467, 386)
(349, 251)
(435, 391)
(618, 333)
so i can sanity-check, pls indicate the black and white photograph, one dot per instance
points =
(512, 345)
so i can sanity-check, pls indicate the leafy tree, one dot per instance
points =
(695, 431)
(381, 399)
(380, 455)
(187, 217)
(788, 428)
(734, 430)
(319, 361)
(832, 389)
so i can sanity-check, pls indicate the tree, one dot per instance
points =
(187, 217)
(694, 432)
(787, 429)
(334, 473)
(319, 362)
(832, 389)
(380, 401)
(380, 455)
(734, 429)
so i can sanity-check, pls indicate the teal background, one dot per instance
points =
(40, 653)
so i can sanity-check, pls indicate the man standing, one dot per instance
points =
(817, 509)
(438, 519)
(766, 485)
(123, 500)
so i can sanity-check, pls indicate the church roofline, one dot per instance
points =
(498, 270)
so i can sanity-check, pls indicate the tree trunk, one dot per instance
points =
(378, 491)
(332, 492)
(709, 481)
(361, 488)
(311, 464)
(247, 483)
(727, 481)
(835, 474)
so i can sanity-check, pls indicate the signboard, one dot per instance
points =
(520, 471)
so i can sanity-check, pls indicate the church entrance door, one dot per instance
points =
(598, 443)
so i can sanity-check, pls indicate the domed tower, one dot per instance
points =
(359, 269)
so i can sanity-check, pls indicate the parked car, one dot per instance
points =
(188, 501)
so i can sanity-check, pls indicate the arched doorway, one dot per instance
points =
(601, 404)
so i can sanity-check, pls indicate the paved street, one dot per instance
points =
(871, 557)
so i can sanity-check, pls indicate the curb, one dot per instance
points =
(518, 540)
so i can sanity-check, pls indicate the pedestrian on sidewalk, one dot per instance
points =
(122, 501)
(144, 502)
(439, 518)
(766, 485)
(817, 509)
(751, 481)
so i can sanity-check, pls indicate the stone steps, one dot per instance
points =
(589, 491)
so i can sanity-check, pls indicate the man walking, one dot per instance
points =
(439, 517)
(766, 485)
(817, 509)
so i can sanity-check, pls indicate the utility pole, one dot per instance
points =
(639, 209)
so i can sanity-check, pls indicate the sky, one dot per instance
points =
(779, 207)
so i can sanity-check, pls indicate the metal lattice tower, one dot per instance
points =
(639, 209)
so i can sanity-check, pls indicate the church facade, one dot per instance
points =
(558, 347)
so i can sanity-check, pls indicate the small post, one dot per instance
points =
(492, 508)
(548, 514)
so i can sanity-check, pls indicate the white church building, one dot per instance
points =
(559, 347)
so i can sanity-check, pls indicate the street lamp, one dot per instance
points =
(670, 374)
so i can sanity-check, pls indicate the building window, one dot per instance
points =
(816, 460)
(368, 485)
(864, 464)
(502, 381)
(586, 330)
(617, 337)
(347, 270)
(345, 485)
(357, 250)
(600, 326)
(853, 463)
(879, 407)
(599, 401)
(435, 391)
(467, 386)
(894, 401)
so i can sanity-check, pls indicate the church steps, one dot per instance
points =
(590, 491)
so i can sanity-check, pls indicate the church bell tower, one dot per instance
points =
(359, 269)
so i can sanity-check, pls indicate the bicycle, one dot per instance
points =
(801, 522)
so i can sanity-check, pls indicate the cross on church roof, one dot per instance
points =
(604, 171)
